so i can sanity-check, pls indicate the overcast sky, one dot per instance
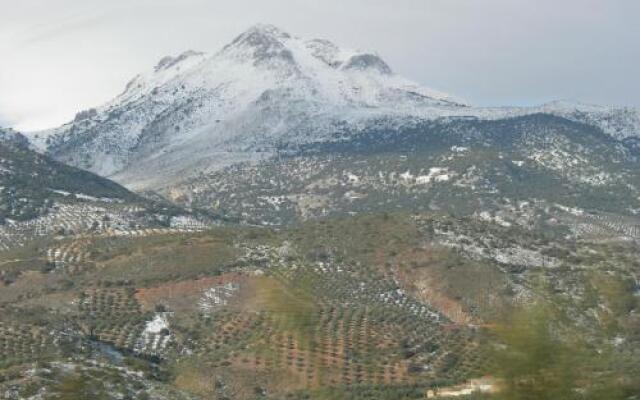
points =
(61, 56)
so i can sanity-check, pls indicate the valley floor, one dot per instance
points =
(375, 306)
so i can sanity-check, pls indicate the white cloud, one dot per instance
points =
(61, 56)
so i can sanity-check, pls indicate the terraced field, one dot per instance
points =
(391, 305)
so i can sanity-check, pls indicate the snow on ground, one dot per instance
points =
(507, 255)
(435, 174)
(157, 324)
(216, 297)
(155, 337)
(210, 111)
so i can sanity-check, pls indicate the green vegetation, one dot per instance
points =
(292, 307)
(534, 363)
(537, 358)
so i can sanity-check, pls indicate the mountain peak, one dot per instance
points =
(264, 87)
(260, 35)
(267, 30)
(260, 43)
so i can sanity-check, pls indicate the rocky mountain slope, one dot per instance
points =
(41, 198)
(31, 182)
(519, 168)
(198, 113)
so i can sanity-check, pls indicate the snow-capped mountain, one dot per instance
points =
(197, 113)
